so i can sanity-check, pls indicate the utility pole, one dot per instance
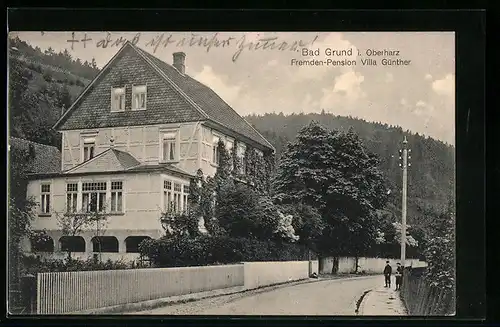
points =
(404, 157)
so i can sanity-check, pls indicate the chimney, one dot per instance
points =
(179, 58)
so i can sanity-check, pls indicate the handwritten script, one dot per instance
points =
(165, 40)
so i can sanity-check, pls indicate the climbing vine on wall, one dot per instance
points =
(257, 173)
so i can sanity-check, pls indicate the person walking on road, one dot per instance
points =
(399, 276)
(387, 274)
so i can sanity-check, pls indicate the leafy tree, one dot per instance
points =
(20, 209)
(285, 229)
(19, 226)
(333, 172)
(31, 113)
(49, 51)
(431, 177)
(75, 224)
(180, 224)
(241, 212)
(307, 223)
(410, 240)
(65, 100)
(67, 55)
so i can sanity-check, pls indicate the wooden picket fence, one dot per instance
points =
(78, 291)
(422, 299)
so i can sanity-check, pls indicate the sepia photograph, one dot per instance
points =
(231, 173)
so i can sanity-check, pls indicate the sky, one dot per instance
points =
(253, 72)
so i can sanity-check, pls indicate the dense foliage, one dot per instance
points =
(34, 265)
(20, 209)
(440, 251)
(242, 212)
(41, 87)
(62, 60)
(333, 172)
(210, 250)
(431, 178)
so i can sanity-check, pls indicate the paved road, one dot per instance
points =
(326, 297)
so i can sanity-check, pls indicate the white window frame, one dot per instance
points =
(185, 195)
(138, 91)
(229, 148)
(167, 194)
(120, 91)
(45, 206)
(172, 137)
(72, 198)
(88, 141)
(100, 205)
(117, 193)
(177, 196)
(215, 149)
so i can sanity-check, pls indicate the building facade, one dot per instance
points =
(131, 142)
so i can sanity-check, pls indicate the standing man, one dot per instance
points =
(399, 276)
(387, 274)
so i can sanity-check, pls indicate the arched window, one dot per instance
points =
(104, 244)
(72, 244)
(132, 243)
(45, 244)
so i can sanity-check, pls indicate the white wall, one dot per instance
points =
(142, 207)
(142, 142)
(259, 274)
(368, 265)
(113, 287)
(315, 267)
(141, 201)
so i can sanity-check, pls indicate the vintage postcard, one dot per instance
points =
(231, 173)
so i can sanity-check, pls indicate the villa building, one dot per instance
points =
(131, 142)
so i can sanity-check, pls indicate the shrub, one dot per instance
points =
(34, 265)
(242, 212)
(440, 251)
(307, 222)
(209, 250)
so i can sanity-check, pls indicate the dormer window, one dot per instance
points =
(139, 97)
(118, 99)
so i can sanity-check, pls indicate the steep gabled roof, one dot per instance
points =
(47, 158)
(195, 97)
(108, 160)
(208, 101)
